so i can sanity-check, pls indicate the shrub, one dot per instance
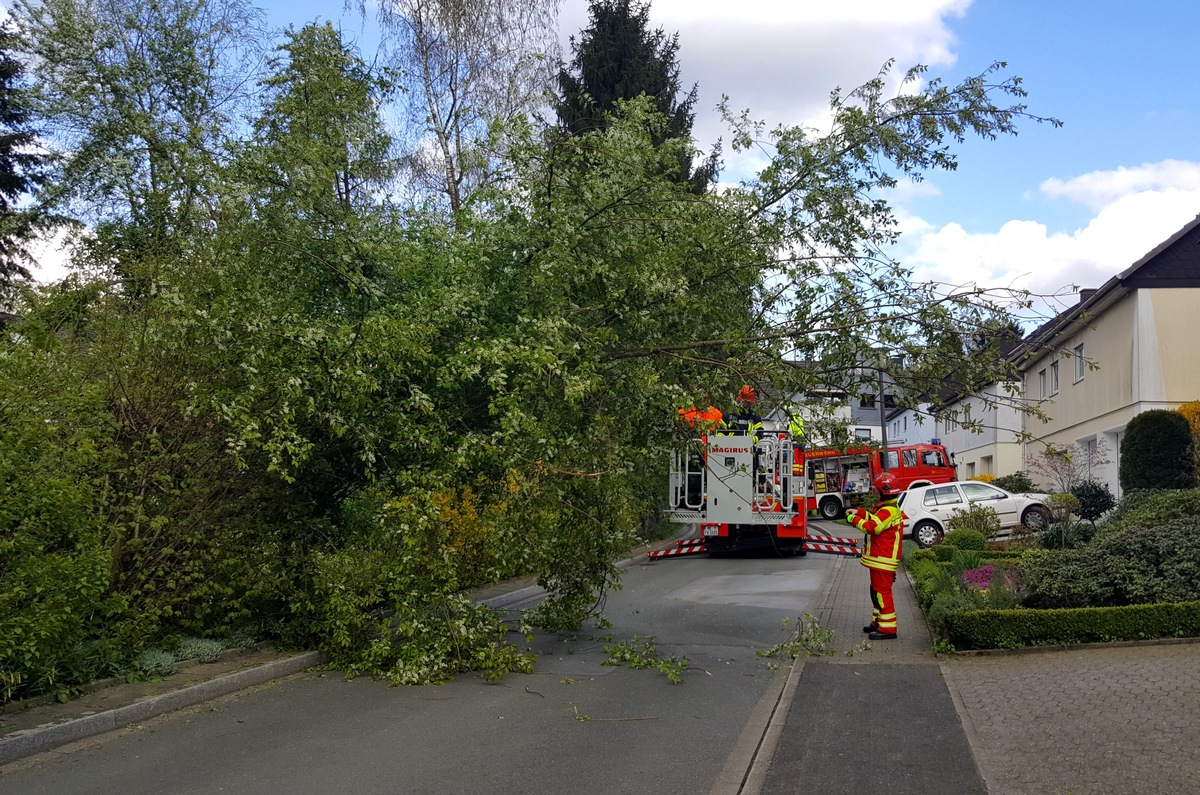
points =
(1157, 452)
(1061, 506)
(953, 601)
(1095, 500)
(1018, 483)
(966, 539)
(978, 517)
(986, 478)
(1010, 629)
(944, 552)
(1066, 535)
(1131, 565)
(1150, 508)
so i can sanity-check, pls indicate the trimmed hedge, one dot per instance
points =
(1012, 629)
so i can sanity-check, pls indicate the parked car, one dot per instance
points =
(928, 508)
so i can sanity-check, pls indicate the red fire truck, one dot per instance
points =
(839, 478)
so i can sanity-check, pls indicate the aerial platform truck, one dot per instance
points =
(744, 491)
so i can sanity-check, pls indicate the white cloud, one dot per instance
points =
(52, 257)
(1100, 188)
(1136, 209)
(781, 58)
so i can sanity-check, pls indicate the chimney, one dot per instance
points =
(1086, 293)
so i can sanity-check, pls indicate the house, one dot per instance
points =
(1127, 347)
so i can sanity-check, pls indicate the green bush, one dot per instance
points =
(978, 517)
(944, 552)
(1017, 483)
(1131, 565)
(1066, 535)
(1147, 508)
(1095, 500)
(1012, 629)
(1156, 452)
(966, 539)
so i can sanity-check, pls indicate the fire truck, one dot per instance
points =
(837, 479)
(744, 490)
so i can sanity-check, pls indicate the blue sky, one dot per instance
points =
(1050, 208)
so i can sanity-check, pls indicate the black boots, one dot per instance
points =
(877, 635)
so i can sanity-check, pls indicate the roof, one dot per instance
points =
(1173, 263)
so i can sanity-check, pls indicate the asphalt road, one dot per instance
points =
(572, 726)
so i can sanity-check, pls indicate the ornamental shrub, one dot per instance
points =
(1066, 535)
(1128, 566)
(985, 478)
(1150, 508)
(1017, 483)
(978, 517)
(1157, 452)
(966, 539)
(1095, 500)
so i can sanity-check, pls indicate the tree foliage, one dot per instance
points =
(466, 65)
(1157, 452)
(618, 57)
(23, 168)
(326, 415)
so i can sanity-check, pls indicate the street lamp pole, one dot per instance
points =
(883, 454)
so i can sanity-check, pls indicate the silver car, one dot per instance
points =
(927, 509)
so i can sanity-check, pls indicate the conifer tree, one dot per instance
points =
(22, 168)
(620, 57)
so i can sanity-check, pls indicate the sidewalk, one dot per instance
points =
(873, 716)
(1105, 719)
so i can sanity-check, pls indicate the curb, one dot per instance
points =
(47, 738)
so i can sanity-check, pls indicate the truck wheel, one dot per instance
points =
(830, 509)
(926, 534)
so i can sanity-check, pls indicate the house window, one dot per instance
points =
(1053, 378)
(985, 465)
(866, 401)
(906, 424)
(862, 433)
(1041, 384)
(1079, 365)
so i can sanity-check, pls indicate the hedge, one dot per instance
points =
(1011, 629)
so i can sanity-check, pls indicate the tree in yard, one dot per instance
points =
(1157, 452)
(23, 168)
(1066, 467)
(618, 57)
(138, 98)
(467, 65)
(1191, 411)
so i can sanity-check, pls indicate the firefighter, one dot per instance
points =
(881, 553)
(746, 420)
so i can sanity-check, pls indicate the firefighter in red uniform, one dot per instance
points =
(881, 553)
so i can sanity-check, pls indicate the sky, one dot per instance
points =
(1048, 210)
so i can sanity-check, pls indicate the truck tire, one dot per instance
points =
(830, 508)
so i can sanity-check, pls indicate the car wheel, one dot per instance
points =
(926, 534)
(1036, 518)
(830, 509)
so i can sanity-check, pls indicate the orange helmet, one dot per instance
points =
(747, 395)
(886, 484)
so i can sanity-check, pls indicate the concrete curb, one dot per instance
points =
(46, 738)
